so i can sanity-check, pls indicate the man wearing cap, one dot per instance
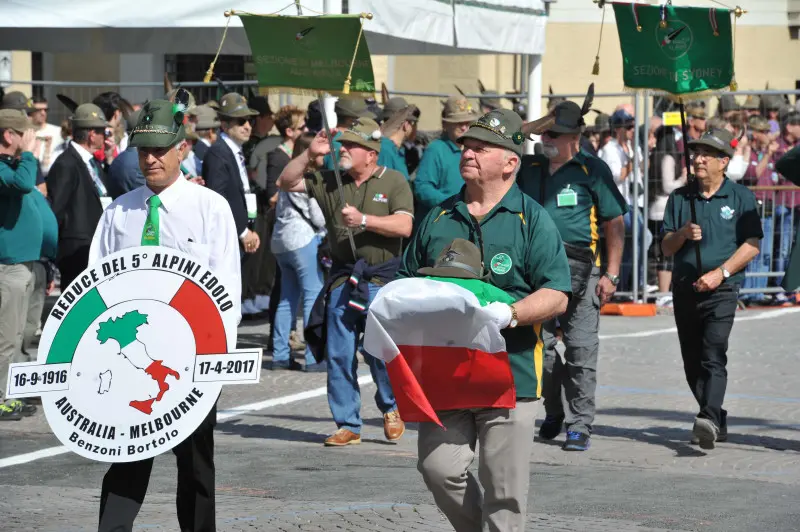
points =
(625, 164)
(348, 110)
(438, 175)
(378, 212)
(399, 128)
(727, 231)
(225, 167)
(198, 222)
(578, 191)
(206, 123)
(21, 234)
(76, 186)
(524, 257)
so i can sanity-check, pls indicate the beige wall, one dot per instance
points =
(20, 71)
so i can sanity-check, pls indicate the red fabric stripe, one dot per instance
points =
(456, 378)
(411, 401)
(203, 317)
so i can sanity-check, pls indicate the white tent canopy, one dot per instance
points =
(169, 26)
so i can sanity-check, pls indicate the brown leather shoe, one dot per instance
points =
(393, 426)
(342, 437)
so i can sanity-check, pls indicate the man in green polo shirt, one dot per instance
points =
(438, 174)
(378, 211)
(727, 230)
(525, 257)
(577, 190)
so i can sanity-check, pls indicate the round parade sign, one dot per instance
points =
(134, 354)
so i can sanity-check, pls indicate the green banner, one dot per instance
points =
(309, 53)
(679, 50)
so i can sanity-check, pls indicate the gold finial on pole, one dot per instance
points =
(367, 16)
(739, 11)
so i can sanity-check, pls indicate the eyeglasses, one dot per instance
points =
(240, 121)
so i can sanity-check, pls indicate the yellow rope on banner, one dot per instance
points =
(596, 67)
(346, 89)
(738, 12)
(210, 71)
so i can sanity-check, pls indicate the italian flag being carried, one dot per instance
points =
(442, 349)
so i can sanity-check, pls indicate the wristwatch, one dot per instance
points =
(613, 278)
(514, 318)
(725, 273)
(363, 222)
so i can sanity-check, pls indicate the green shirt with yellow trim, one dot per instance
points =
(579, 196)
(523, 253)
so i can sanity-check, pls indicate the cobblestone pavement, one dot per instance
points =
(640, 474)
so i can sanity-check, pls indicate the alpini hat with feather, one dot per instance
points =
(565, 117)
(161, 123)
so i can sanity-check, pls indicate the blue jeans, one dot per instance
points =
(627, 254)
(763, 263)
(345, 325)
(301, 276)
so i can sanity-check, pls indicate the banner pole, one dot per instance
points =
(335, 158)
(691, 180)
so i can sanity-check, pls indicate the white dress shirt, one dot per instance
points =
(88, 159)
(238, 154)
(192, 218)
(615, 157)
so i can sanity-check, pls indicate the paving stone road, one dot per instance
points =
(640, 474)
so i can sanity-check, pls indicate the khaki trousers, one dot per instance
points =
(16, 287)
(506, 440)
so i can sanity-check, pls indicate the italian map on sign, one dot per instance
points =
(123, 330)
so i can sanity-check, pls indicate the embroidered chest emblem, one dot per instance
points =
(381, 198)
(726, 213)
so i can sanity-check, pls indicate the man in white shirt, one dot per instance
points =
(48, 136)
(199, 222)
(225, 172)
(618, 154)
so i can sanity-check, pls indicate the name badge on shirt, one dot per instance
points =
(252, 205)
(567, 198)
(105, 201)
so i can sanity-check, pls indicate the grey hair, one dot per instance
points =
(510, 153)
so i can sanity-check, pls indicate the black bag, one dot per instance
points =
(581, 261)
(324, 256)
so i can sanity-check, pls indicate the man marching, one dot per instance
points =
(172, 212)
(727, 230)
(527, 261)
(577, 190)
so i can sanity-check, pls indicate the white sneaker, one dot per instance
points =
(249, 307)
(262, 303)
(650, 288)
(664, 301)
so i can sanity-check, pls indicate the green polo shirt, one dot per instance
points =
(523, 253)
(579, 196)
(386, 192)
(727, 219)
(438, 174)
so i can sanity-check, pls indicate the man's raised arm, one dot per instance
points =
(291, 179)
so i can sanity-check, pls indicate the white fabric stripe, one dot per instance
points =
(424, 312)
(403, 212)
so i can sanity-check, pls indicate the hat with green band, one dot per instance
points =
(160, 123)
(500, 127)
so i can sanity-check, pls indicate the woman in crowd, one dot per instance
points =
(299, 229)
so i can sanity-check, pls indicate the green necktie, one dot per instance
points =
(151, 231)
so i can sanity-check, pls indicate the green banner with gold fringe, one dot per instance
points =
(310, 53)
(680, 50)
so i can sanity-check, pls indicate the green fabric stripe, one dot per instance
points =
(485, 292)
(75, 323)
